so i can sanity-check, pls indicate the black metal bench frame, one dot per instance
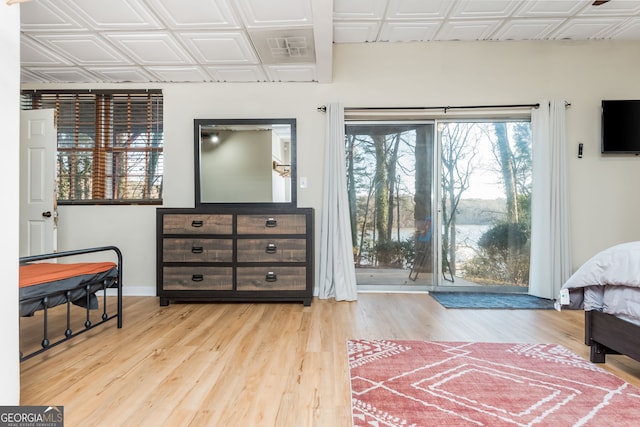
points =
(90, 289)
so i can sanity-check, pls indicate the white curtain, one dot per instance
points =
(337, 272)
(550, 250)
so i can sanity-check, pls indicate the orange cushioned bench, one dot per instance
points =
(62, 282)
(35, 274)
(44, 285)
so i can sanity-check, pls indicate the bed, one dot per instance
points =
(607, 288)
(50, 280)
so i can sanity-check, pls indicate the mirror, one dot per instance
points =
(245, 161)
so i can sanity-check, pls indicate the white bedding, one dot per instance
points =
(609, 282)
(617, 265)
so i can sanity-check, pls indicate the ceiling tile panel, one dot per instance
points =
(111, 14)
(276, 13)
(26, 76)
(45, 16)
(121, 74)
(527, 29)
(220, 48)
(355, 32)
(232, 73)
(467, 30)
(35, 54)
(483, 9)
(201, 14)
(83, 49)
(630, 30)
(291, 73)
(180, 74)
(586, 28)
(150, 48)
(65, 75)
(408, 31)
(550, 8)
(613, 8)
(418, 9)
(359, 9)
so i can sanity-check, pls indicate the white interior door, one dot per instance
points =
(38, 215)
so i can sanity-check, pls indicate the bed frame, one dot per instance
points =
(607, 334)
(89, 289)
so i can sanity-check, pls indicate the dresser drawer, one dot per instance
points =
(272, 224)
(234, 253)
(197, 224)
(197, 278)
(197, 250)
(271, 278)
(272, 250)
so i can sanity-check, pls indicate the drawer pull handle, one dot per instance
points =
(271, 222)
(271, 248)
(197, 278)
(271, 277)
(197, 223)
(197, 250)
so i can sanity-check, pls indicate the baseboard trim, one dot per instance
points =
(133, 291)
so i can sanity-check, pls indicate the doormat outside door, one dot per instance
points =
(491, 300)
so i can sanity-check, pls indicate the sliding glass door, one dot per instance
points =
(440, 203)
(390, 178)
(485, 200)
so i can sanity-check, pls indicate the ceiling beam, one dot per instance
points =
(323, 36)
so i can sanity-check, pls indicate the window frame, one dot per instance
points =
(112, 125)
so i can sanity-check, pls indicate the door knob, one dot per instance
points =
(46, 214)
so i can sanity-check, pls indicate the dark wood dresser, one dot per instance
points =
(230, 253)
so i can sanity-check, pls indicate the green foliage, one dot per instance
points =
(502, 257)
(504, 236)
(524, 208)
(394, 253)
(365, 254)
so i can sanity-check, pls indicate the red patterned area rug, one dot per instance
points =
(420, 383)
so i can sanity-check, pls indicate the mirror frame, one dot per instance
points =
(199, 123)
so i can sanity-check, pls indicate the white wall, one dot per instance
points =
(131, 228)
(9, 214)
(602, 192)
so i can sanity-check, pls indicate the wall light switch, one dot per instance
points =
(303, 182)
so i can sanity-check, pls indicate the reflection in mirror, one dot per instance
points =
(245, 161)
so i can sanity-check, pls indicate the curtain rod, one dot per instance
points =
(323, 108)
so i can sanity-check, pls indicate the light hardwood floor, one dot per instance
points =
(256, 364)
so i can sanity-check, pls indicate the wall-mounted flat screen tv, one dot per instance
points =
(621, 126)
